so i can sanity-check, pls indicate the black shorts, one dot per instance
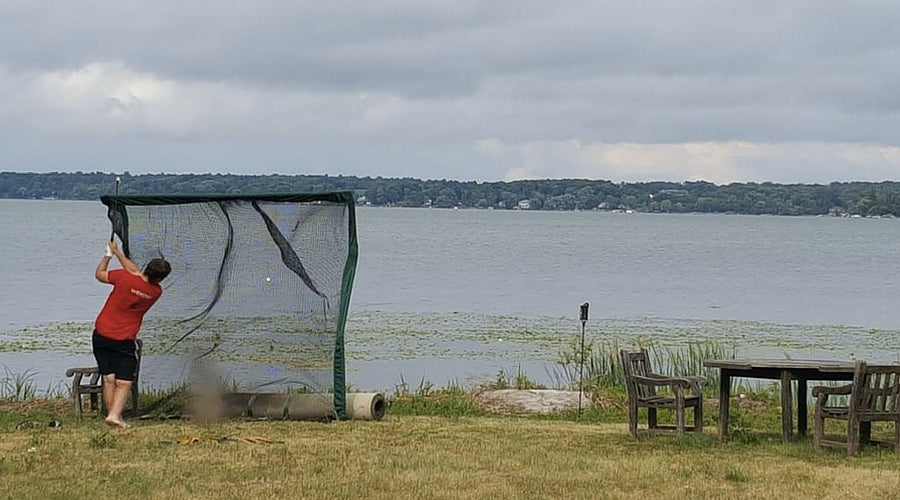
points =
(116, 356)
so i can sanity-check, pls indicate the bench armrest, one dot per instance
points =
(83, 371)
(695, 382)
(662, 381)
(821, 392)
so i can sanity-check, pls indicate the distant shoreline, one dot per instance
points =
(843, 199)
(597, 210)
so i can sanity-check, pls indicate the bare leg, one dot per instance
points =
(120, 396)
(109, 388)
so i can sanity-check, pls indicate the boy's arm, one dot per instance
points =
(127, 264)
(101, 272)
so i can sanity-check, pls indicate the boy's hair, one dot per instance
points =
(157, 270)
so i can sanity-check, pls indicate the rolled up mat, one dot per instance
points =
(235, 404)
(269, 405)
(366, 406)
(318, 407)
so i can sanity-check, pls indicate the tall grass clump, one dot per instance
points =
(172, 400)
(688, 361)
(18, 386)
(452, 400)
(603, 368)
(507, 380)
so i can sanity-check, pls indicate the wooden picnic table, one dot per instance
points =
(785, 370)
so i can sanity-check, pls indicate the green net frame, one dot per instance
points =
(270, 216)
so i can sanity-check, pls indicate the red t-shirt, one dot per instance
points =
(131, 297)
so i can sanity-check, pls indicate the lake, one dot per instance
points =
(458, 295)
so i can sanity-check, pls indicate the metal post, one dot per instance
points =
(584, 317)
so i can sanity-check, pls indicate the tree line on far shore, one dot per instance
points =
(837, 198)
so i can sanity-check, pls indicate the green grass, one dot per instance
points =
(433, 443)
(450, 401)
(456, 455)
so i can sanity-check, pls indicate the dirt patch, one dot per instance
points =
(536, 401)
(742, 401)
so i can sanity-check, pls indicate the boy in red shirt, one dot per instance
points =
(118, 323)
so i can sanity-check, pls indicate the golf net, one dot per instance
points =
(259, 290)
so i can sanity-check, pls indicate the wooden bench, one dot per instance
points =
(642, 384)
(873, 396)
(92, 386)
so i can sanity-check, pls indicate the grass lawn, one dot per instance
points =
(416, 456)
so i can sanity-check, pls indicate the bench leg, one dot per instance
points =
(76, 394)
(852, 436)
(897, 435)
(698, 416)
(679, 412)
(819, 430)
(632, 419)
(865, 432)
(75, 402)
(134, 398)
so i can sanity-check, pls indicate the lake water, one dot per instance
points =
(458, 295)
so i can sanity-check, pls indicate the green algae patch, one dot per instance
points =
(380, 336)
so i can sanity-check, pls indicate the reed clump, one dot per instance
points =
(17, 386)
(598, 366)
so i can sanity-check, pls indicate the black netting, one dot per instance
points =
(259, 287)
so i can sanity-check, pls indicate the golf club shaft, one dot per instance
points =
(112, 234)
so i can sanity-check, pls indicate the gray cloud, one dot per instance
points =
(407, 88)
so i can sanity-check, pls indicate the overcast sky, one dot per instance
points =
(723, 91)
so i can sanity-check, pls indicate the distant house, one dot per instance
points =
(674, 192)
(524, 205)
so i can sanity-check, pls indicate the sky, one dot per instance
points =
(723, 91)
